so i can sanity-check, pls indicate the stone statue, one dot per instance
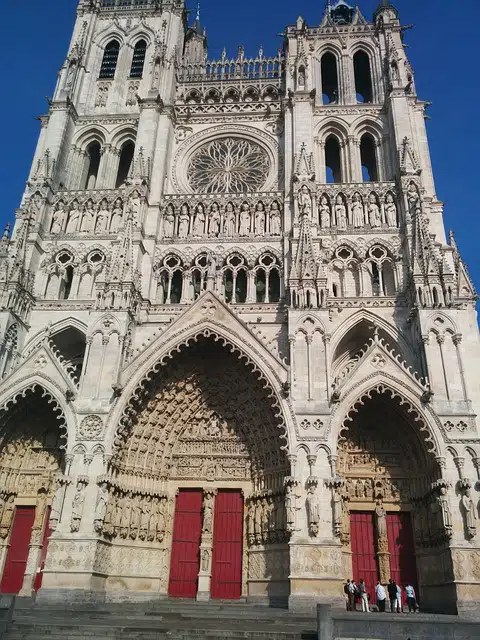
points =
(144, 518)
(291, 507)
(381, 520)
(391, 211)
(206, 557)
(214, 221)
(74, 218)
(313, 508)
(337, 511)
(413, 198)
(469, 513)
(374, 212)
(88, 218)
(183, 221)
(100, 509)
(357, 211)
(199, 224)
(325, 214)
(169, 222)
(275, 220)
(208, 514)
(212, 266)
(117, 213)
(58, 218)
(230, 221)
(78, 505)
(305, 202)
(301, 77)
(245, 219)
(101, 221)
(445, 510)
(260, 219)
(341, 214)
(55, 511)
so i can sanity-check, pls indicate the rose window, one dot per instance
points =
(228, 165)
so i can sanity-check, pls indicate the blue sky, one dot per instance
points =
(442, 47)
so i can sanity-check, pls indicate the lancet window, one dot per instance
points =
(138, 60)
(267, 279)
(92, 165)
(110, 60)
(125, 163)
(333, 162)
(329, 70)
(363, 77)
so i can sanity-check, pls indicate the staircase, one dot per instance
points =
(165, 620)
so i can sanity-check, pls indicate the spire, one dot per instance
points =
(385, 7)
(197, 25)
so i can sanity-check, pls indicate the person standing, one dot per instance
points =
(381, 596)
(363, 596)
(346, 591)
(352, 591)
(398, 601)
(392, 594)
(411, 598)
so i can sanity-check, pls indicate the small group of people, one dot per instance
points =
(358, 593)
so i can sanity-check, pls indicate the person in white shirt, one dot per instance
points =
(352, 590)
(398, 602)
(381, 596)
(411, 598)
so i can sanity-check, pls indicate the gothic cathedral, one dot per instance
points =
(239, 355)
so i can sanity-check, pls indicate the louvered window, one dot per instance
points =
(138, 60)
(110, 59)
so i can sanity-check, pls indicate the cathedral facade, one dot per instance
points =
(239, 355)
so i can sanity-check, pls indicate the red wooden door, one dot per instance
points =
(187, 534)
(16, 561)
(47, 532)
(227, 546)
(403, 566)
(364, 560)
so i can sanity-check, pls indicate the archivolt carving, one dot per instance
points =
(384, 387)
(30, 454)
(186, 422)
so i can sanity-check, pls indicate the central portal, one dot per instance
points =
(198, 482)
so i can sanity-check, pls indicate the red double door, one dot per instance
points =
(17, 556)
(226, 581)
(403, 567)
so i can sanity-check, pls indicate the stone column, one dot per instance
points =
(206, 545)
(35, 547)
(382, 542)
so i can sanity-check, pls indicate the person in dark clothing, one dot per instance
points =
(392, 594)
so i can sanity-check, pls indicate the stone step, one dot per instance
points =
(95, 632)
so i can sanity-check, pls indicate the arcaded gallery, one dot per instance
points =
(239, 354)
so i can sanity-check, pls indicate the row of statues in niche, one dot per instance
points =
(267, 518)
(90, 217)
(354, 213)
(229, 221)
(132, 517)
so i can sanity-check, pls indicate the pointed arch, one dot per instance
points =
(38, 383)
(232, 335)
(423, 418)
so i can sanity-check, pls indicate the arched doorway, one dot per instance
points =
(391, 484)
(197, 481)
(30, 457)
